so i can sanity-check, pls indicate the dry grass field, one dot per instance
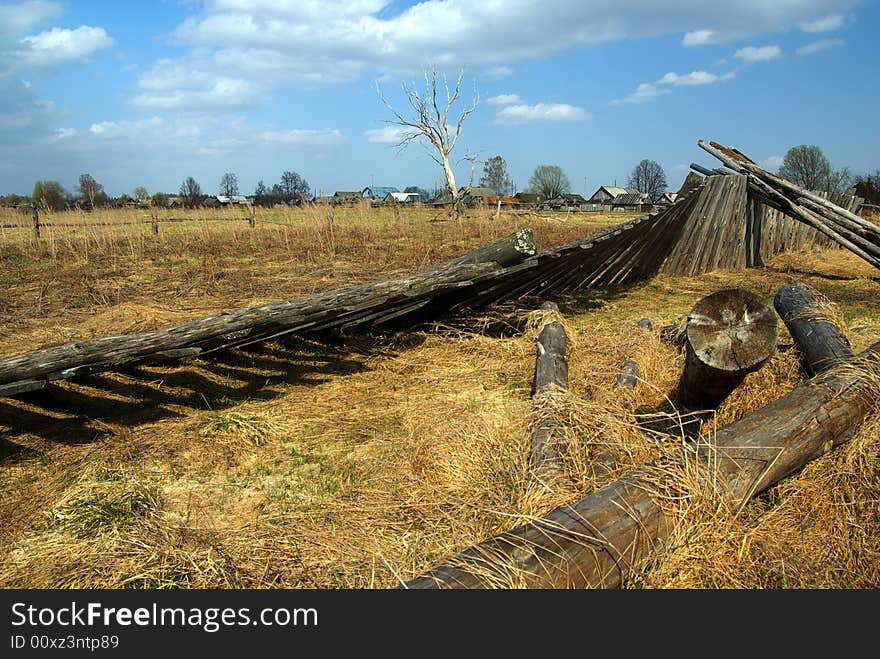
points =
(360, 461)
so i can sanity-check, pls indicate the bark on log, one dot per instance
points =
(551, 379)
(597, 541)
(729, 334)
(239, 326)
(551, 363)
(507, 251)
(820, 343)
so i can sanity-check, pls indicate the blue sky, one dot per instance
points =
(148, 93)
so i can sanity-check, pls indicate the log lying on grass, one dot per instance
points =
(551, 363)
(819, 341)
(597, 541)
(550, 381)
(340, 307)
(729, 334)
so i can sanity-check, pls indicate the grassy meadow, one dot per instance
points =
(362, 460)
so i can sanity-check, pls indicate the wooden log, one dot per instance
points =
(729, 334)
(551, 363)
(551, 380)
(598, 541)
(820, 343)
(507, 251)
(261, 322)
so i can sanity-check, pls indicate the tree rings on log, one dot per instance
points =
(729, 334)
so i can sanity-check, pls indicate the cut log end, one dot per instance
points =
(628, 375)
(732, 330)
(729, 334)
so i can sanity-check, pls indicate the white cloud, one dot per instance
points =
(60, 46)
(184, 84)
(698, 38)
(310, 43)
(63, 133)
(772, 163)
(752, 54)
(647, 91)
(522, 113)
(22, 17)
(112, 129)
(692, 78)
(824, 24)
(504, 99)
(818, 46)
(644, 92)
(388, 135)
(301, 136)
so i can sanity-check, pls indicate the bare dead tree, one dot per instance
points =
(430, 119)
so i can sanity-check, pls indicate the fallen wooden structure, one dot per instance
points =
(711, 225)
(618, 255)
(839, 224)
(598, 541)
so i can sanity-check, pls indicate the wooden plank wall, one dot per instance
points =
(730, 229)
(714, 235)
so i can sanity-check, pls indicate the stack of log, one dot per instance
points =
(600, 540)
(843, 226)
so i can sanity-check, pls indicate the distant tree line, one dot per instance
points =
(292, 189)
(805, 165)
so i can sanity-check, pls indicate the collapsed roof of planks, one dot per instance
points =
(727, 221)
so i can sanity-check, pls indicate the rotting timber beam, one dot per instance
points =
(598, 541)
(345, 306)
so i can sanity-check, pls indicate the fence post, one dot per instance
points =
(35, 216)
(252, 220)
(154, 216)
